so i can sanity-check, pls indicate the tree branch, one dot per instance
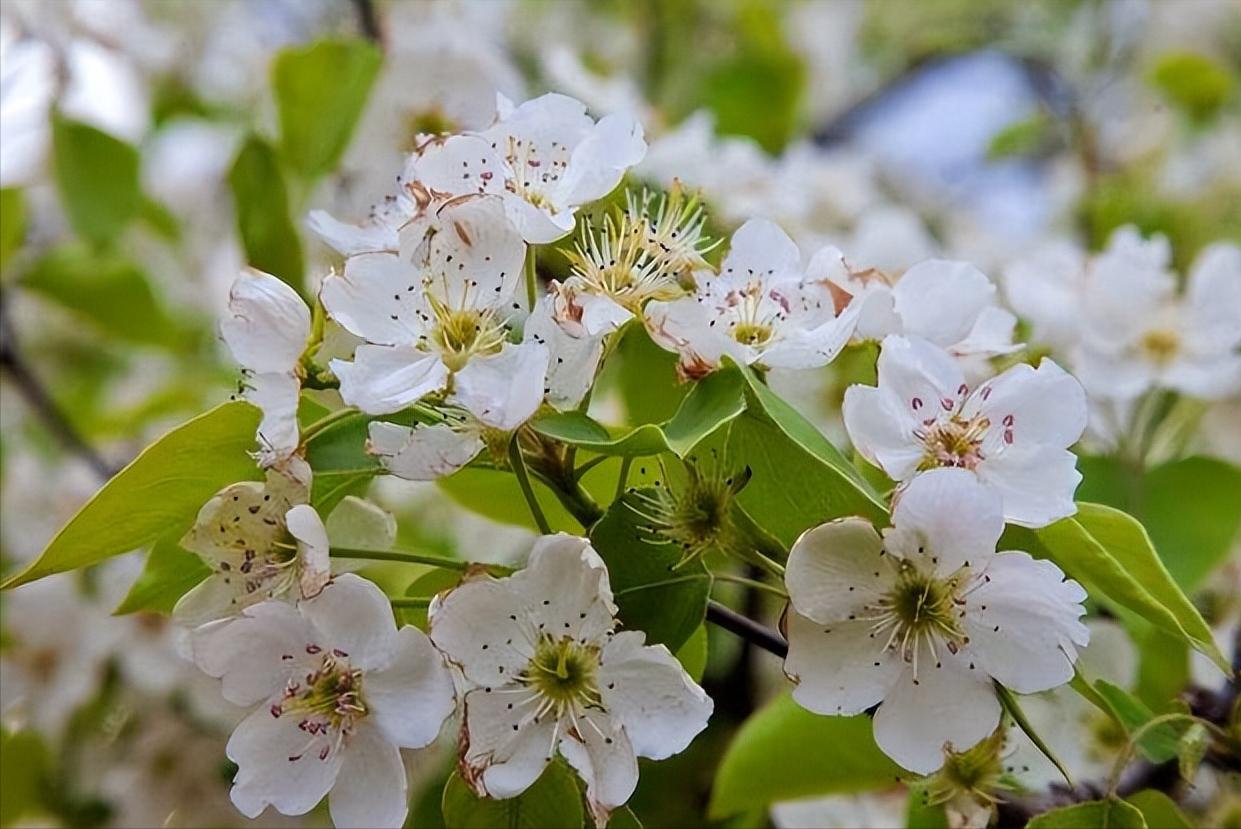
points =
(747, 629)
(368, 21)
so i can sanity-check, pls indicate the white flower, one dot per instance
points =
(951, 304)
(546, 158)
(1012, 431)
(381, 229)
(762, 309)
(547, 670)
(261, 540)
(427, 451)
(342, 691)
(1138, 334)
(27, 87)
(572, 325)
(435, 318)
(266, 329)
(924, 618)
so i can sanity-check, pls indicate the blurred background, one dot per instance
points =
(143, 162)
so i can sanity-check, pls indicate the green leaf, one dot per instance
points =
(494, 494)
(1094, 814)
(261, 204)
(12, 223)
(97, 179)
(24, 760)
(1194, 83)
(158, 494)
(1190, 749)
(1159, 810)
(785, 752)
(693, 654)
(921, 813)
(356, 522)
(624, 818)
(552, 802)
(646, 376)
(577, 429)
(428, 584)
(1027, 137)
(669, 605)
(1193, 535)
(169, 574)
(1009, 702)
(111, 292)
(1111, 554)
(1159, 744)
(320, 91)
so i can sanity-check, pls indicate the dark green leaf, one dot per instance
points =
(169, 574)
(12, 223)
(693, 654)
(785, 752)
(97, 178)
(1095, 814)
(320, 92)
(261, 204)
(552, 802)
(158, 494)
(24, 760)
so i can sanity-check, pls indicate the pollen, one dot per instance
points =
(1161, 345)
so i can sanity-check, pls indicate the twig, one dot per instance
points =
(368, 21)
(41, 401)
(747, 629)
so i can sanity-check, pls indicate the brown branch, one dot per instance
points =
(368, 21)
(748, 629)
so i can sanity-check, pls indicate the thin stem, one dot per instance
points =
(589, 465)
(532, 278)
(770, 565)
(368, 21)
(405, 556)
(326, 422)
(622, 479)
(748, 629)
(410, 602)
(523, 480)
(755, 583)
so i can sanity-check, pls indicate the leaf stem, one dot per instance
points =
(327, 422)
(622, 478)
(755, 583)
(406, 556)
(523, 480)
(410, 602)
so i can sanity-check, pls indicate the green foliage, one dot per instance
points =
(1193, 83)
(552, 802)
(669, 605)
(693, 654)
(785, 752)
(1159, 810)
(1033, 136)
(24, 760)
(12, 224)
(1159, 743)
(320, 90)
(97, 178)
(170, 572)
(157, 495)
(1110, 553)
(107, 289)
(921, 813)
(1094, 814)
(261, 204)
(1008, 701)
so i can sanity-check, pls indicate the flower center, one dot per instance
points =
(920, 608)
(461, 333)
(1160, 345)
(327, 701)
(755, 312)
(698, 517)
(752, 333)
(533, 170)
(564, 672)
(956, 441)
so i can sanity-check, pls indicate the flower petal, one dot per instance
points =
(940, 300)
(841, 667)
(471, 256)
(946, 706)
(1023, 623)
(383, 379)
(760, 248)
(949, 518)
(991, 334)
(253, 654)
(600, 751)
(1037, 483)
(476, 626)
(599, 162)
(412, 696)
(370, 791)
(646, 690)
(275, 768)
(458, 165)
(566, 587)
(377, 297)
(424, 452)
(881, 432)
(277, 396)
(836, 569)
(354, 616)
(1038, 406)
(506, 748)
(313, 548)
(373, 236)
(503, 390)
(267, 323)
(572, 361)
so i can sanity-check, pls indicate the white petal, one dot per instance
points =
(459, 165)
(412, 696)
(841, 667)
(1037, 483)
(760, 248)
(572, 361)
(377, 298)
(383, 379)
(835, 569)
(425, 452)
(263, 747)
(477, 627)
(471, 256)
(881, 431)
(249, 653)
(600, 314)
(1213, 299)
(1038, 406)
(267, 323)
(354, 616)
(602, 755)
(566, 586)
(816, 346)
(215, 597)
(949, 706)
(683, 326)
(992, 333)
(538, 225)
(940, 300)
(599, 162)
(370, 791)
(503, 390)
(1023, 623)
(1045, 289)
(277, 396)
(948, 517)
(313, 548)
(349, 239)
(646, 690)
(507, 749)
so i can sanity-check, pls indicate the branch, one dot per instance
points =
(368, 21)
(41, 402)
(747, 629)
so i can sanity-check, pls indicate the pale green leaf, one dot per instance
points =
(1159, 810)
(170, 572)
(97, 179)
(12, 224)
(1095, 814)
(693, 653)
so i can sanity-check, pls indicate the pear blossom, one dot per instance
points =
(435, 318)
(1139, 334)
(573, 327)
(545, 158)
(262, 540)
(1011, 431)
(266, 329)
(427, 451)
(761, 310)
(922, 619)
(547, 670)
(339, 691)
